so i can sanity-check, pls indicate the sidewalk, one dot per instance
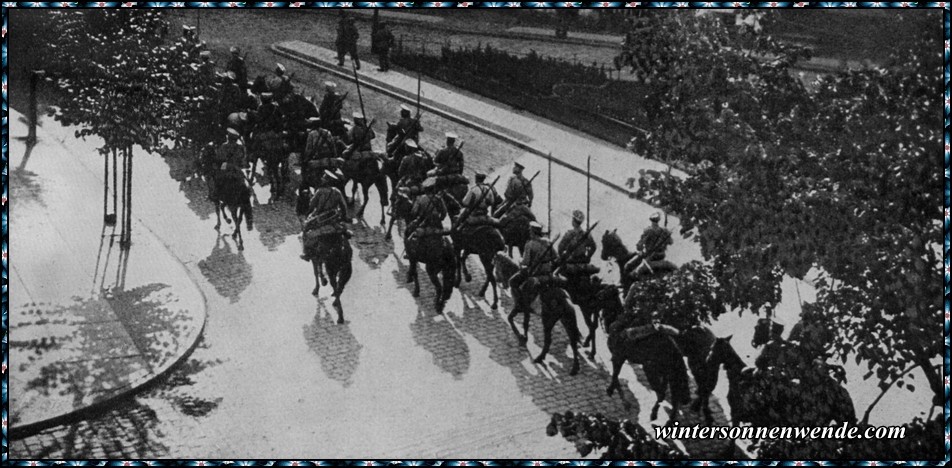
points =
(89, 323)
(611, 165)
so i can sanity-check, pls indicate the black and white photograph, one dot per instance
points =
(420, 235)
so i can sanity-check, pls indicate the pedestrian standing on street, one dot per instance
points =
(347, 37)
(518, 190)
(383, 41)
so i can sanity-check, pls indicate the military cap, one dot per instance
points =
(233, 133)
(266, 96)
(231, 76)
(313, 119)
(656, 216)
(429, 183)
(330, 176)
(186, 27)
(480, 176)
(535, 226)
(404, 108)
(234, 50)
(205, 54)
(451, 136)
(358, 115)
(280, 68)
(520, 166)
(411, 144)
(330, 84)
(577, 215)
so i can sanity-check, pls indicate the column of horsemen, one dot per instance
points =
(428, 190)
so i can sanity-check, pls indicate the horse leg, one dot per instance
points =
(389, 228)
(218, 212)
(381, 185)
(617, 363)
(365, 189)
(237, 233)
(567, 317)
(433, 273)
(515, 310)
(316, 264)
(487, 261)
(412, 274)
(463, 266)
(547, 325)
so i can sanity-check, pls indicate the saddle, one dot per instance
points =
(486, 232)
(579, 269)
(426, 242)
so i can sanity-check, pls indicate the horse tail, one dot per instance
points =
(246, 207)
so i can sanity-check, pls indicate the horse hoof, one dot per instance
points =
(523, 340)
(539, 360)
(315, 292)
(241, 246)
(468, 277)
(387, 237)
(323, 281)
(218, 227)
(591, 354)
(340, 320)
(574, 370)
(495, 306)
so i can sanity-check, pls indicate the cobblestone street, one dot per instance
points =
(274, 376)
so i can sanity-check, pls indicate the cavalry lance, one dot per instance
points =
(506, 206)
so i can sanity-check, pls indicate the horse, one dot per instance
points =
(271, 148)
(515, 227)
(694, 342)
(484, 241)
(439, 256)
(399, 209)
(556, 308)
(613, 247)
(335, 253)
(366, 172)
(296, 109)
(661, 359)
(590, 295)
(771, 399)
(230, 192)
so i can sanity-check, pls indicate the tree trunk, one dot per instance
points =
(934, 379)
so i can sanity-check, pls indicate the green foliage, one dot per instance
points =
(119, 80)
(838, 177)
(686, 298)
(623, 440)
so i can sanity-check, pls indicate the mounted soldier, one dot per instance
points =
(326, 216)
(652, 246)
(330, 109)
(280, 84)
(536, 265)
(408, 127)
(320, 150)
(236, 64)
(232, 97)
(480, 200)
(519, 189)
(428, 213)
(449, 160)
(360, 136)
(413, 167)
(576, 249)
(227, 163)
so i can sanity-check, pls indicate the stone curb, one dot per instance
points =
(31, 428)
(439, 109)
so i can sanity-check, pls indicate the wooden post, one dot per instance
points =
(550, 193)
(588, 192)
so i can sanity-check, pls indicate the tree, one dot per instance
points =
(838, 177)
(120, 81)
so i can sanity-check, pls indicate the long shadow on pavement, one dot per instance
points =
(226, 269)
(334, 344)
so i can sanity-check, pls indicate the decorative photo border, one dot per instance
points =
(945, 6)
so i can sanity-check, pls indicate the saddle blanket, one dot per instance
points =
(579, 269)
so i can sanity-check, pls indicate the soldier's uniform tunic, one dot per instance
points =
(519, 190)
(449, 161)
(657, 239)
(362, 136)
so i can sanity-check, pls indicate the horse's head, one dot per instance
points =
(766, 331)
(723, 353)
(392, 131)
(609, 302)
(612, 246)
